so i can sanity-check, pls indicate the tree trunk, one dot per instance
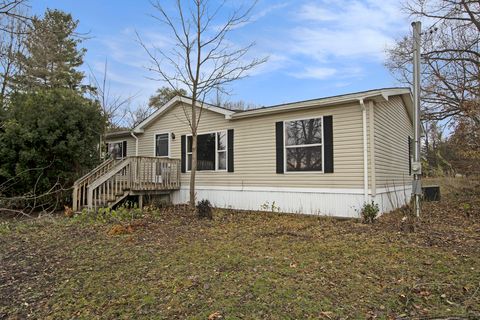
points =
(193, 171)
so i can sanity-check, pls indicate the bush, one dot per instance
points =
(48, 138)
(369, 212)
(204, 209)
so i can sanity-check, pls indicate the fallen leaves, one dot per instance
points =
(244, 265)
(68, 212)
(215, 316)
(119, 229)
(326, 314)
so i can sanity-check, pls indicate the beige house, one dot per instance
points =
(325, 156)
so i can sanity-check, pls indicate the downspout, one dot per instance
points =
(371, 128)
(136, 143)
(365, 151)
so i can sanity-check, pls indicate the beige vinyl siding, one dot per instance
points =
(130, 143)
(255, 148)
(392, 129)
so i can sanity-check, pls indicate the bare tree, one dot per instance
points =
(115, 108)
(136, 116)
(220, 99)
(12, 38)
(13, 9)
(201, 60)
(451, 58)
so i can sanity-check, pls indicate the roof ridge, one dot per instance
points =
(327, 97)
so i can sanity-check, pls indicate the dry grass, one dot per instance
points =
(242, 265)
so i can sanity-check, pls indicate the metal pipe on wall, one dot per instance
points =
(416, 166)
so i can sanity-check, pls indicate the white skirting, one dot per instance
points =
(327, 202)
(389, 199)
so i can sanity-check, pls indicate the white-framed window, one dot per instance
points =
(303, 145)
(211, 151)
(221, 151)
(117, 149)
(162, 144)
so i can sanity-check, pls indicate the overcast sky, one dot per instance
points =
(315, 48)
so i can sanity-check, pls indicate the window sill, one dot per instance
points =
(208, 171)
(303, 172)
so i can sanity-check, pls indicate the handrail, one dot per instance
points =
(113, 171)
(80, 185)
(91, 173)
(112, 181)
(101, 190)
(156, 158)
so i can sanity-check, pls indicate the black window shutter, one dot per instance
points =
(124, 149)
(410, 156)
(279, 145)
(230, 150)
(328, 144)
(182, 150)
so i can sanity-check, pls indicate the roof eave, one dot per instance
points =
(117, 134)
(140, 128)
(376, 95)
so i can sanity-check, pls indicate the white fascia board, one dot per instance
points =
(179, 99)
(141, 125)
(382, 94)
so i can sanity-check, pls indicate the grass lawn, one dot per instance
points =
(240, 265)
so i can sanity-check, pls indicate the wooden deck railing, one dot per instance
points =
(151, 173)
(131, 175)
(80, 186)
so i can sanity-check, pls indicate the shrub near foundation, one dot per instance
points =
(204, 209)
(369, 212)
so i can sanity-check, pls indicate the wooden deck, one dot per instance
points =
(114, 180)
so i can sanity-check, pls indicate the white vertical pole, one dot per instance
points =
(365, 150)
(417, 26)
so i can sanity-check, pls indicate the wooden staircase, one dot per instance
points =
(114, 180)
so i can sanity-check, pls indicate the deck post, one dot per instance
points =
(89, 198)
(140, 201)
(75, 199)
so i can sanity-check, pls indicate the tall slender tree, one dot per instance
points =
(52, 53)
(115, 107)
(12, 38)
